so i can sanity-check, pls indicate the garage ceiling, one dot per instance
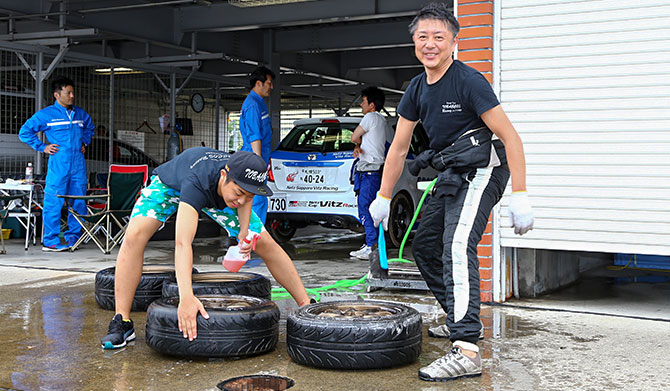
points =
(325, 47)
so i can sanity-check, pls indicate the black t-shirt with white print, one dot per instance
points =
(195, 174)
(451, 106)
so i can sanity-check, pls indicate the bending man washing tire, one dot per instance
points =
(460, 113)
(222, 186)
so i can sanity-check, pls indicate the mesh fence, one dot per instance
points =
(139, 101)
(17, 104)
(141, 109)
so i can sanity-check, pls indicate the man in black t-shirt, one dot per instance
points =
(199, 179)
(459, 110)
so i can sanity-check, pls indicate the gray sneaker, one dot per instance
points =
(442, 331)
(452, 365)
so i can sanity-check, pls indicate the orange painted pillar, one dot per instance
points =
(475, 48)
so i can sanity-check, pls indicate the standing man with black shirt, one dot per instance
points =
(459, 110)
(222, 186)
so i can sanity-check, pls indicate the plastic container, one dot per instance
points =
(29, 173)
(234, 260)
(6, 233)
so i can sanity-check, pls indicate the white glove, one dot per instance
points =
(520, 212)
(379, 210)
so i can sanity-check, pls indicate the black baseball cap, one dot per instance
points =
(249, 171)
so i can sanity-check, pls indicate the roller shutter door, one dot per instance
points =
(587, 85)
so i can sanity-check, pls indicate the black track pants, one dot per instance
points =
(445, 248)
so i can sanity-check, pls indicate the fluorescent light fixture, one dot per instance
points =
(117, 71)
(261, 3)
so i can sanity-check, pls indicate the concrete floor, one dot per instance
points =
(52, 328)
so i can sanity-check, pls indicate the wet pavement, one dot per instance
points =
(52, 326)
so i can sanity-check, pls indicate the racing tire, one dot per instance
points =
(354, 335)
(402, 211)
(281, 230)
(223, 283)
(238, 326)
(148, 290)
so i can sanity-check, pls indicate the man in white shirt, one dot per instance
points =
(370, 138)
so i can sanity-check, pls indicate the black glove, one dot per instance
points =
(420, 162)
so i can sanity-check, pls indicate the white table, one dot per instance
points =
(26, 216)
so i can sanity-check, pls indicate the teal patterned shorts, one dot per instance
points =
(159, 202)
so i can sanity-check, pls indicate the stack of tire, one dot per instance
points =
(244, 322)
(242, 319)
(149, 288)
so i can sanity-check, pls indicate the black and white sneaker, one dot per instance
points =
(118, 333)
(454, 364)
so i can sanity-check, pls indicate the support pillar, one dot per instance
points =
(475, 49)
(39, 99)
(217, 115)
(110, 129)
(274, 106)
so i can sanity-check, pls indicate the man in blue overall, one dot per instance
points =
(256, 127)
(68, 129)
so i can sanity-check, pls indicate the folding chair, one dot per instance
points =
(123, 187)
(5, 200)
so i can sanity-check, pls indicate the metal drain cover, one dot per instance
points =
(256, 383)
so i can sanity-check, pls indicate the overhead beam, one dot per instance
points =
(134, 6)
(117, 62)
(380, 59)
(50, 34)
(182, 57)
(46, 41)
(344, 38)
(224, 17)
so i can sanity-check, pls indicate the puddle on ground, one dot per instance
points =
(51, 342)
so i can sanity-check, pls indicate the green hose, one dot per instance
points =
(347, 285)
(411, 224)
(342, 285)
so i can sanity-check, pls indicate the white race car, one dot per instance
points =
(311, 179)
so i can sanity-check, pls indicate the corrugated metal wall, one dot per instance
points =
(587, 85)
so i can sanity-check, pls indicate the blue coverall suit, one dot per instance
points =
(255, 124)
(66, 172)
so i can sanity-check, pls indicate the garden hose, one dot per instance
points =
(411, 224)
(347, 285)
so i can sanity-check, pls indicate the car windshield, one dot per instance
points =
(323, 137)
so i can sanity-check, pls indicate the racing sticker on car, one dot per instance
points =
(278, 203)
(320, 204)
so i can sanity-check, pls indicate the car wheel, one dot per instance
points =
(354, 335)
(148, 290)
(402, 211)
(237, 326)
(223, 283)
(281, 230)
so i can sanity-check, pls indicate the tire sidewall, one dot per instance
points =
(358, 343)
(227, 333)
(255, 285)
(148, 289)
